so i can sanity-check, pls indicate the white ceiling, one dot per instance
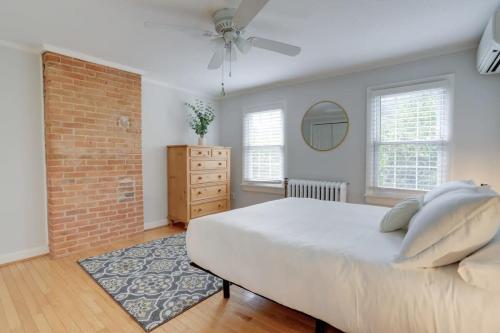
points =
(336, 36)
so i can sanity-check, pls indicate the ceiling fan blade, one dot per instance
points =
(279, 47)
(217, 59)
(243, 44)
(247, 10)
(177, 27)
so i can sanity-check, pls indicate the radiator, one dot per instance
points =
(322, 190)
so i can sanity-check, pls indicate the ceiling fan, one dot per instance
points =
(229, 35)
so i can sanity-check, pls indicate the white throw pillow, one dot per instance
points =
(448, 187)
(482, 269)
(449, 228)
(400, 215)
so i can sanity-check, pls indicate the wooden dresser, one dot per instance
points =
(198, 181)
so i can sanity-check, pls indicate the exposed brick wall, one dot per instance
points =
(94, 163)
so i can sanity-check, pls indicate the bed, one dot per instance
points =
(328, 260)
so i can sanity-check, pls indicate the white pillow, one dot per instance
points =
(400, 215)
(482, 269)
(448, 187)
(449, 228)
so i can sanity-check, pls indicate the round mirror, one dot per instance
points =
(325, 126)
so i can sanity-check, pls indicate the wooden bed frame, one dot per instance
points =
(320, 326)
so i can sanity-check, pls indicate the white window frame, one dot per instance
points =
(256, 186)
(386, 196)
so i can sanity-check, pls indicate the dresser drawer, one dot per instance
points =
(220, 153)
(200, 152)
(208, 208)
(207, 164)
(208, 192)
(202, 178)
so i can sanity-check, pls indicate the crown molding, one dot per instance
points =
(89, 58)
(20, 46)
(179, 89)
(82, 56)
(401, 60)
(69, 53)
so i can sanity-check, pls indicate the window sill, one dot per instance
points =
(277, 189)
(389, 197)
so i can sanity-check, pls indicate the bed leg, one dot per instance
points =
(225, 287)
(320, 326)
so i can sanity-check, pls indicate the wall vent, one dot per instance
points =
(126, 189)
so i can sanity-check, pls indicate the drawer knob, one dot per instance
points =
(220, 153)
(200, 178)
(219, 190)
(199, 209)
(199, 193)
(220, 164)
(199, 153)
(199, 164)
(220, 176)
(220, 206)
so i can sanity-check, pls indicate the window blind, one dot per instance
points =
(409, 143)
(263, 146)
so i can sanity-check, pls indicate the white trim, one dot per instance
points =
(89, 58)
(256, 108)
(409, 84)
(155, 224)
(179, 89)
(19, 46)
(44, 156)
(388, 196)
(74, 54)
(261, 188)
(23, 254)
(381, 201)
(405, 59)
(286, 83)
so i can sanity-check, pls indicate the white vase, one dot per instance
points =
(202, 141)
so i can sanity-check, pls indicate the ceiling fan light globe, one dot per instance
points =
(217, 43)
(230, 52)
(243, 45)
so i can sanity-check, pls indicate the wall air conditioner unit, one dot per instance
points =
(488, 53)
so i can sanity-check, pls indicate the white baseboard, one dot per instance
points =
(24, 254)
(36, 251)
(155, 224)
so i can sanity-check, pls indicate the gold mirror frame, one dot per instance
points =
(308, 110)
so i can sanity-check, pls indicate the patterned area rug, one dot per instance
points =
(152, 281)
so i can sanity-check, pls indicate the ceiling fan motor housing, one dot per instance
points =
(223, 20)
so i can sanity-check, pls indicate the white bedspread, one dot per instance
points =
(330, 261)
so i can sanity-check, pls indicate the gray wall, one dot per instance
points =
(163, 123)
(23, 217)
(476, 123)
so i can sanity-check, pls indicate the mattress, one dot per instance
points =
(329, 260)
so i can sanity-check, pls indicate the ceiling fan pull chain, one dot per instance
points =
(222, 92)
(230, 25)
(230, 58)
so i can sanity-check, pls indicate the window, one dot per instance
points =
(409, 136)
(263, 147)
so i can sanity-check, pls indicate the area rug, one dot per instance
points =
(153, 281)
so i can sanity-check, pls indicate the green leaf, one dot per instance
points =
(200, 115)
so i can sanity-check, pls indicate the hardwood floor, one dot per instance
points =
(45, 295)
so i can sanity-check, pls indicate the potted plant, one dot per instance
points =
(200, 117)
